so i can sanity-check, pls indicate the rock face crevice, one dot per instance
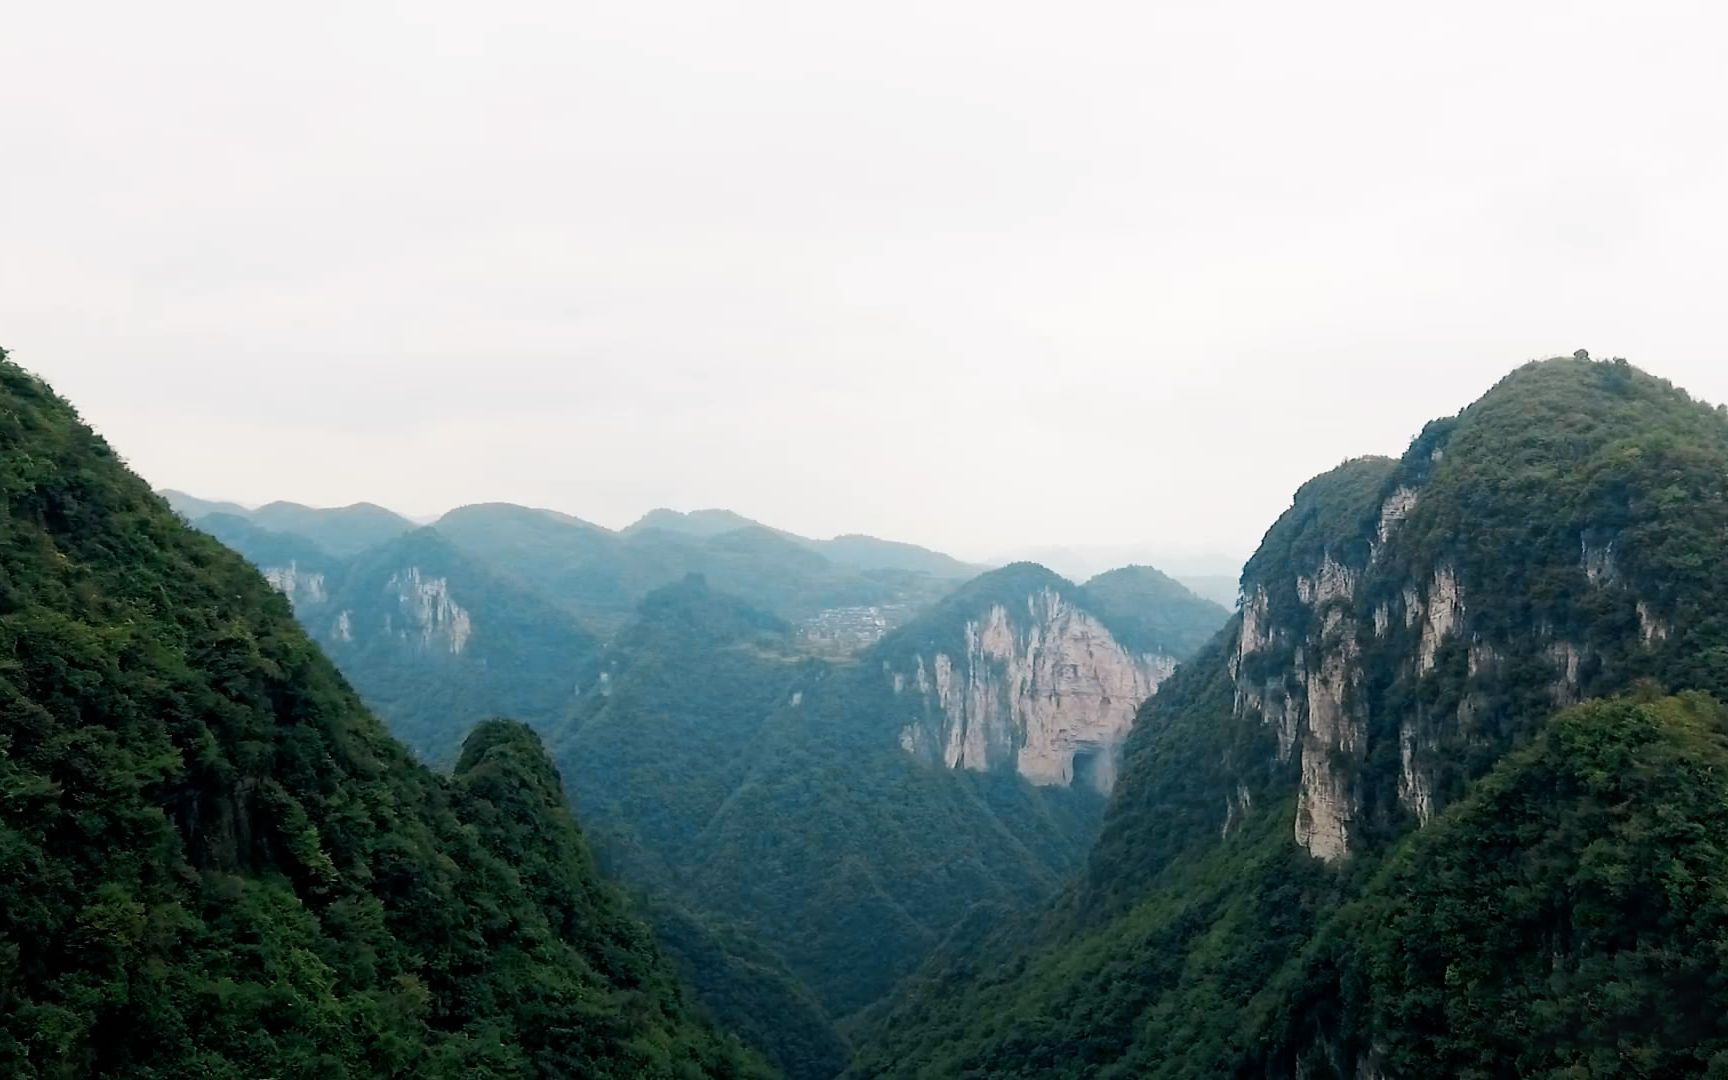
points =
(303, 588)
(428, 613)
(1041, 688)
(1373, 660)
(1310, 701)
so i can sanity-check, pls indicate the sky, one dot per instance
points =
(987, 276)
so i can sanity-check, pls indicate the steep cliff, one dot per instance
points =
(1404, 626)
(1406, 622)
(1013, 673)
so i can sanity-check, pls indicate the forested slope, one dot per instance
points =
(214, 861)
(723, 770)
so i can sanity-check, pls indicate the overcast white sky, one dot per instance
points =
(982, 275)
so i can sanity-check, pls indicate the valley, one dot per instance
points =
(1442, 790)
(806, 809)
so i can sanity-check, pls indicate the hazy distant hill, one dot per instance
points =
(191, 507)
(853, 549)
(692, 522)
(343, 530)
(599, 575)
(871, 553)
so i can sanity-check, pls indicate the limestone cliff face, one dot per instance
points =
(411, 606)
(426, 614)
(1300, 668)
(1038, 686)
(304, 588)
(1377, 666)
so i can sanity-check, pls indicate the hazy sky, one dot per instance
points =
(982, 275)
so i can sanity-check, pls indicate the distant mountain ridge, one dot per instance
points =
(1151, 610)
(598, 574)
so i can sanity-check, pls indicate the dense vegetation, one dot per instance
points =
(434, 641)
(213, 860)
(1153, 612)
(746, 989)
(725, 772)
(1566, 919)
(705, 752)
(431, 673)
(1558, 915)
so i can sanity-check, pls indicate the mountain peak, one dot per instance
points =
(710, 522)
(1154, 612)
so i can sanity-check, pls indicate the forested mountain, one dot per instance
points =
(1155, 611)
(303, 571)
(873, 553)
(1366, 832)
(723, 770)
(434, 641)
(214, 861)
(706, 748)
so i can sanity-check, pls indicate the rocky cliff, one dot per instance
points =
(1524, 891)
(1405, 620)
(1016, 674)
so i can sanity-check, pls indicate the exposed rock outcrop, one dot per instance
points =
(1444, 609)
(303, 588)
(428, 611)
(1321, 718)
(1041, 687)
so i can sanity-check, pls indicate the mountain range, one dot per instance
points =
(1443, 795)
(706, 738)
